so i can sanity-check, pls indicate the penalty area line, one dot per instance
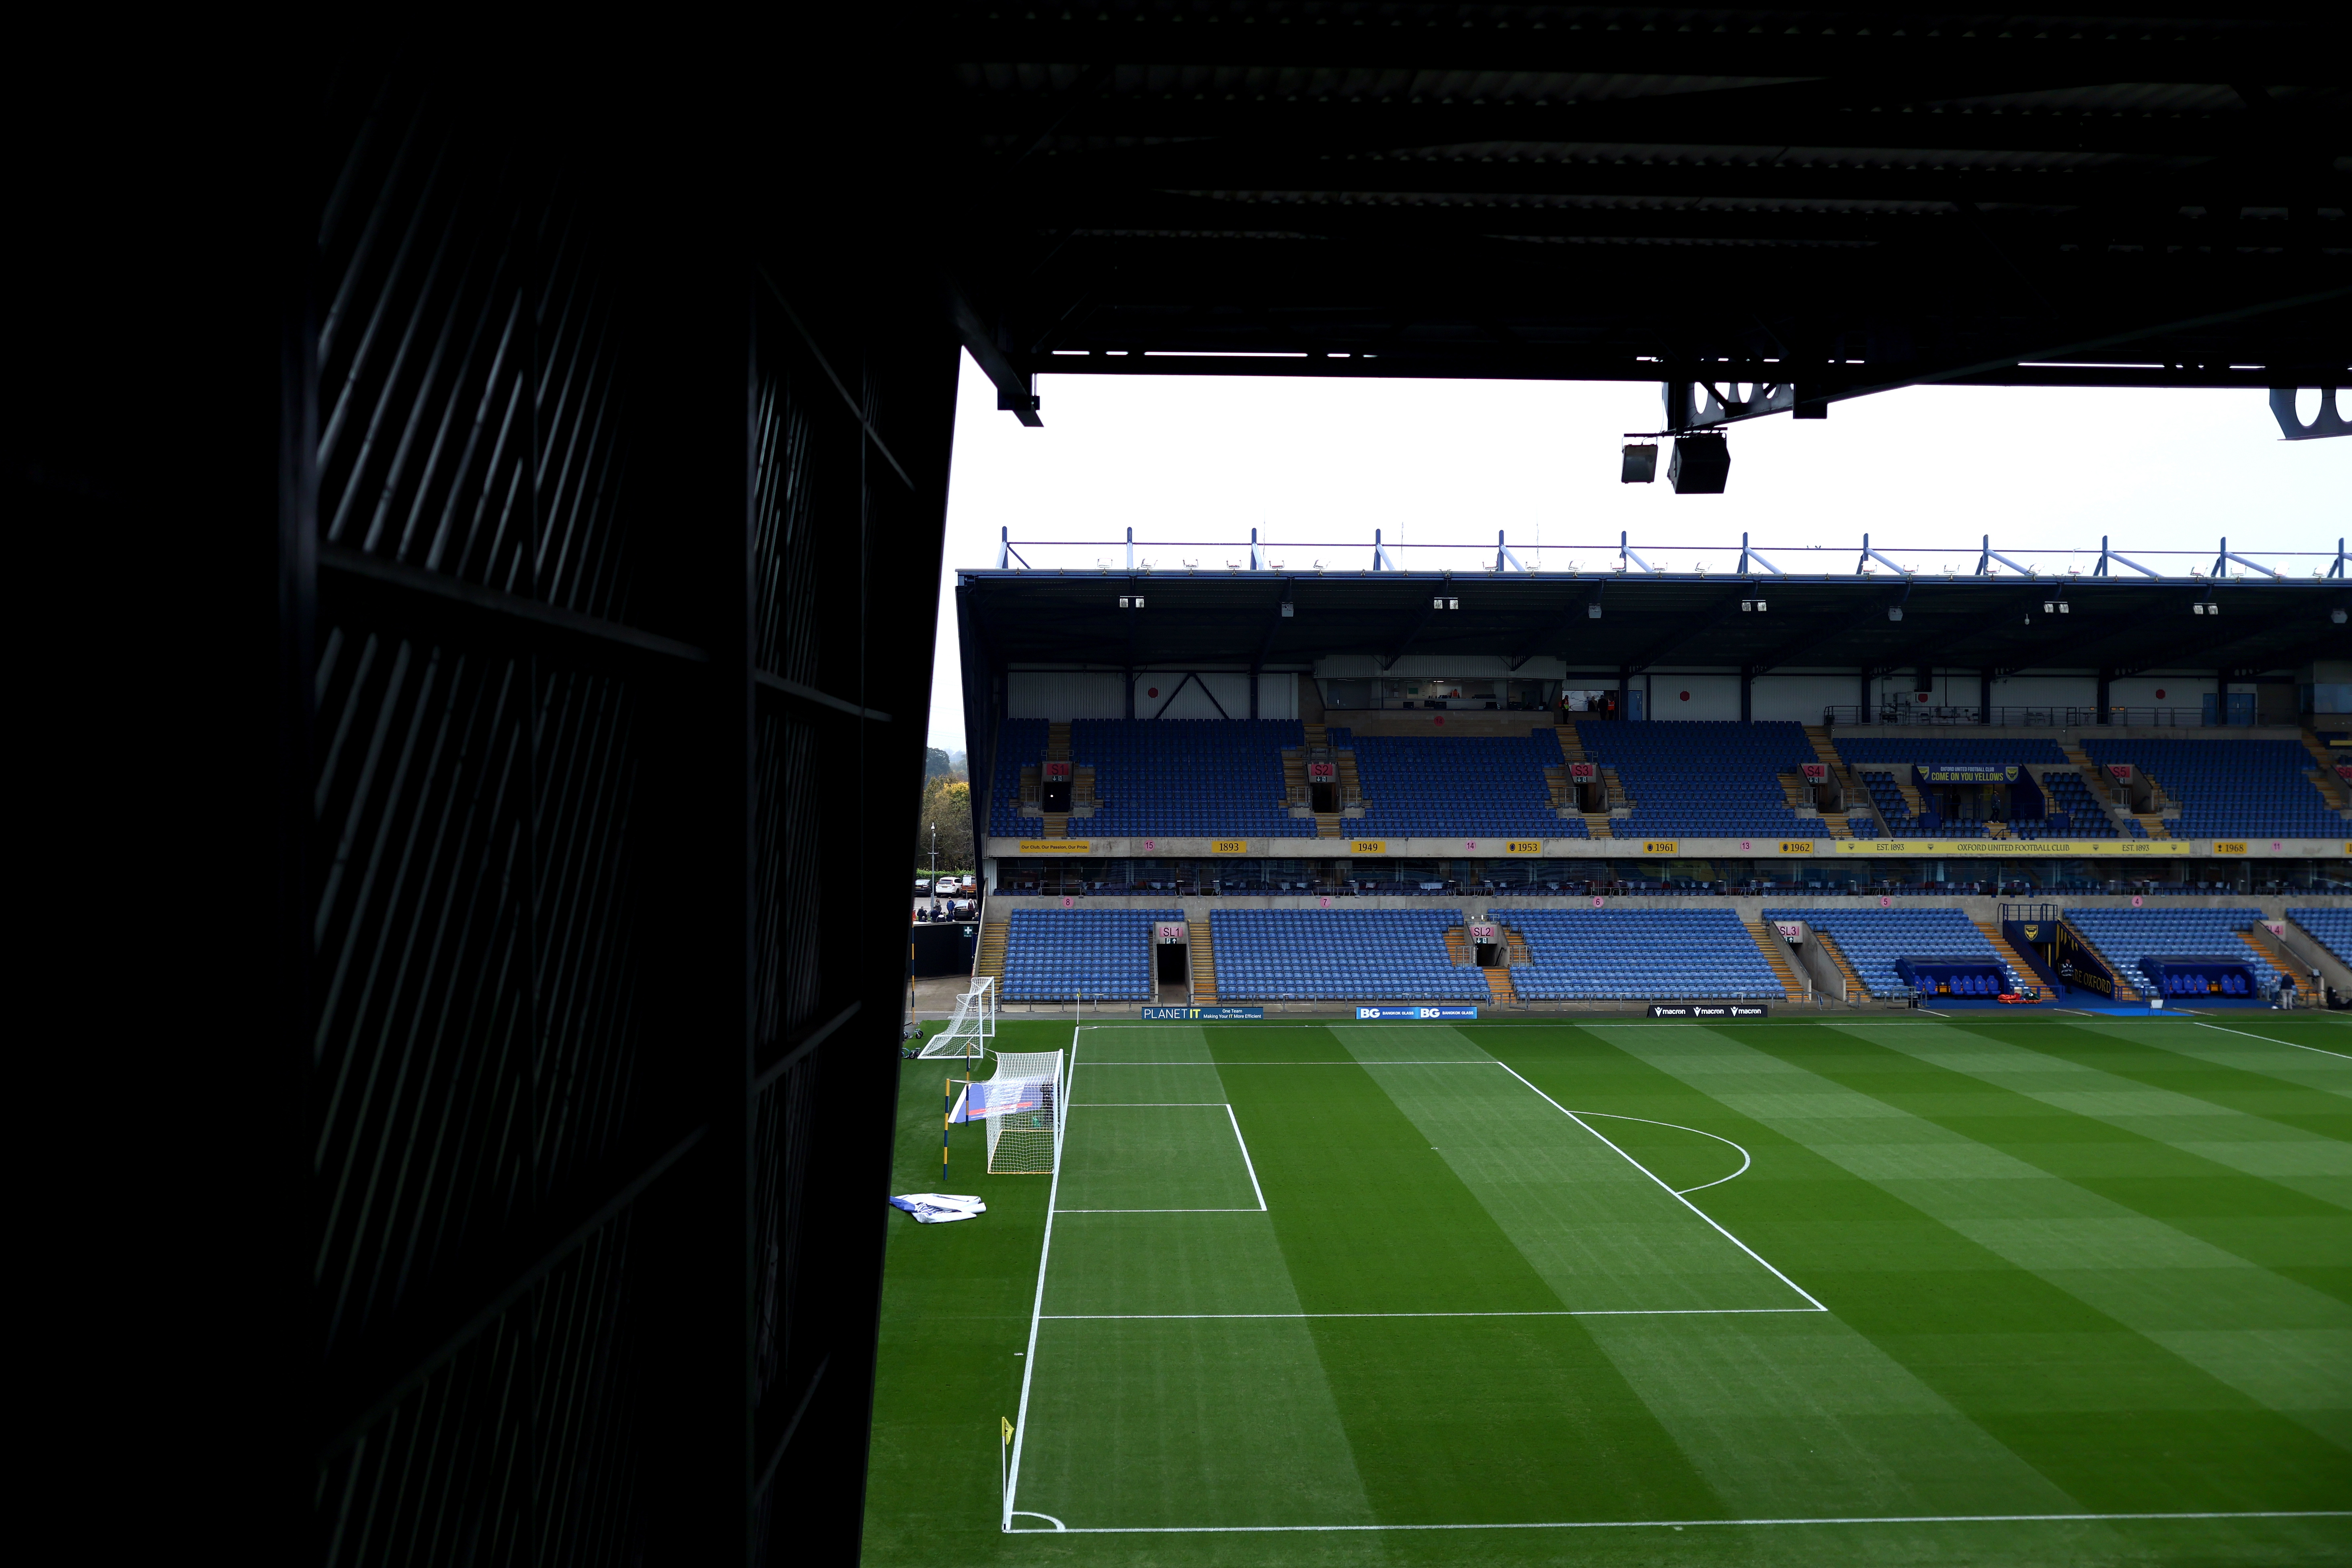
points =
(2272, 1040)
(1645, 1170)
(1697, 1524)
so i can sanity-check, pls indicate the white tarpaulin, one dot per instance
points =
(937, 1208)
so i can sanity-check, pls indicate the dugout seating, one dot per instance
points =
(1871, 940)
(2330, 928)
(1474, 787)
(1054, 955)
(2123, 937)
(1339, 955)
(1188, 777)
(1702, 778)
(1615, 953)
(2232, 788)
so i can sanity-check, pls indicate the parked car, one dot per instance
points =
(947, 885)
(922, 886)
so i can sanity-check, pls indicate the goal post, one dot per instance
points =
(1022, 1107)
(972, 1028)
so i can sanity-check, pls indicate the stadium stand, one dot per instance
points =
(2123, 937)
(1871, 940)
(1871, 751)
(1625, 955)
(1100, 954)
(1020, 742)
(2331, 929)
(1341, 955)
(2232, 788)
(1188, 777)
(1702, 778)
(2086, 819)
(1459, 787)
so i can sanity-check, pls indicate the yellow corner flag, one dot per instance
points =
(1008, 1429)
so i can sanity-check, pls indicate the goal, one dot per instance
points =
(974, 1026)
(1022, 1107)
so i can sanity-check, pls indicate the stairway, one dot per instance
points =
(2096, 779)
(1776, 953)
(1204, 965)
(1498, 981)
(1849, 787)
(1854, 989)
(1571, 750)
(1810, 818)
(1083, 801)
(2152, 821)
(2125, 990)
(989, 963)
(2024, 971)
(2323, 775)
(1058, 741)
(2259, 938)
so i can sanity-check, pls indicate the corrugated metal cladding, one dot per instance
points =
(596, 544)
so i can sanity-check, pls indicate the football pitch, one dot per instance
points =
(2056, 1289)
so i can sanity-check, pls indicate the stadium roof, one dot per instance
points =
(1833, 201)
(1235, 620)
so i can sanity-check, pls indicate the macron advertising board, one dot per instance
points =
(1709, 1010)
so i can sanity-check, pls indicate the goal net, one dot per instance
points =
(974, 1026)
(1022, 1107)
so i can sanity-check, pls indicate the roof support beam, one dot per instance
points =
(1583, 611)
(1017, 392)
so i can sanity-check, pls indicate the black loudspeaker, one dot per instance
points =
(1700, 466)
(1641, 464)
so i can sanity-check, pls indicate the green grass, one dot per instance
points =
(2035, 1268)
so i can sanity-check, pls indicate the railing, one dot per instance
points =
(1598, 558)
(2052, 718)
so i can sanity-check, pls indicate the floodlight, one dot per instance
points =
(2064, 608)
(1134, 602)
(1287, 610)
(2049, 607)
(1760, 606)
(1453, 603)
(1748, 605)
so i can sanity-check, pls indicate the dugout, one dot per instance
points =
(1976, 980)
(2207, 977)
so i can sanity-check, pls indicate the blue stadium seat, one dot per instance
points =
(1341, 955)
(1057, 955)
(1616, 953)
(2123, 937)
(1871, 940)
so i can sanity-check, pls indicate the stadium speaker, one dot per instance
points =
(2337, 616)
(1895, 613)
(1641, 464)
(1593, 612)
(1700, 465)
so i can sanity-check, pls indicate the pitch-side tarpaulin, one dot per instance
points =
(937, 1208)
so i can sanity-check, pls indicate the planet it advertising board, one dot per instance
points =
(1195, 1014)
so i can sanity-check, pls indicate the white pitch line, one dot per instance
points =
(1146, 1104)
(1645, 1170)
(1037, 1309)
(2269, 1040)
(1288, 1317)
(1701, 1523)
(1248, 1163)
(1746, 1159)
(1156, 1211)
(1349, 1062)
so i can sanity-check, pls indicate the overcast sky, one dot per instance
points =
(1202, 459)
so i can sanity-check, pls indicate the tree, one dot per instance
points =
(946, 802)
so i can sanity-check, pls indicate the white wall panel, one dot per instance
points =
(1800, 698)
(1675, 697)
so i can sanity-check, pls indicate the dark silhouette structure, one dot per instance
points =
(536, 451)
